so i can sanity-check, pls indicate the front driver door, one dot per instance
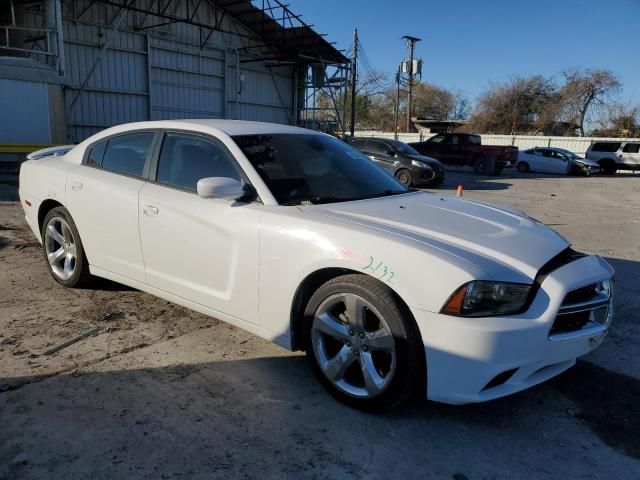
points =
(201, 249)
(379, 152)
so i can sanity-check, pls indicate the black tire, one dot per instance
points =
(478, 164)
(608, 166)
(81, 276)
(523, 167)
(405, 177)
(409, 377)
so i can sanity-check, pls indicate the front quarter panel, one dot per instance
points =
(295, 244)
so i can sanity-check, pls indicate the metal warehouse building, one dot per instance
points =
(69, 68)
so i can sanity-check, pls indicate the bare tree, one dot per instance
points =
(521, 104)
(586, 89)
(618, 120)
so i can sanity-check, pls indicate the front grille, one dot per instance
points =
(582, 309)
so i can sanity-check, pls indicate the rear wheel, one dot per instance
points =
(362, 343)
(523, 167)
(608, 166)
(404, 177)
(478, 164)
(63, 249)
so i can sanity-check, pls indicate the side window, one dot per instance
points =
(185, 159)
(436, 139)
(376, 146)
(606, 147)
(96, 153)
(454, 140)
(538, 152)
(631, 148)
(128, 153)
(358, 143)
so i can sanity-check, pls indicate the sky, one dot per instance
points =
(469, 45)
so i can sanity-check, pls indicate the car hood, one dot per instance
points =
(499, 234)
(432, 162)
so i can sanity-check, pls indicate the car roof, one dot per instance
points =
(230, 127)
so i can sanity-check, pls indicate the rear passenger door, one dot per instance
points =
(102, 197)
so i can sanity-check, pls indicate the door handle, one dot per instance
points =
(150, 210)
(76, 186)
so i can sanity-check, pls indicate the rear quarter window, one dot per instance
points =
(606, 147)
(631, 148)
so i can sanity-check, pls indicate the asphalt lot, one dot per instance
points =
(161, 392)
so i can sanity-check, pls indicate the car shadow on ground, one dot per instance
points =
(271, 416)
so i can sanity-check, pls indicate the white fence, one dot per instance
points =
(578, 145)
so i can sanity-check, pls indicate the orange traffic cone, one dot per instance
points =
(459, 194)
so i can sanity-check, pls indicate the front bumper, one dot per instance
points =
(465, 356)
(423, 176)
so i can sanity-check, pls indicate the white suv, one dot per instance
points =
(615, 155)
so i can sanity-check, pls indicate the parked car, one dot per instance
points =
(555, 160)
(295, 236)
(402, 161)
(615, 155)
(463, 149)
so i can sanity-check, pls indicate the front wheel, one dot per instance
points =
(63, 249)
(404, 177)
(363, 344)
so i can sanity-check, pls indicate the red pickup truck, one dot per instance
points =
(463, 149)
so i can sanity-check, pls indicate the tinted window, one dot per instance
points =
(436, 139)
(311, 168)
(375, 146)
(96, 153)
(128, 153)
(359, 143)
(454, 139)
(185, 159)
(605, 147)
(631, 148)
(474, 140)
(403, 147)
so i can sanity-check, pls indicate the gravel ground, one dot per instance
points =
(158, 391)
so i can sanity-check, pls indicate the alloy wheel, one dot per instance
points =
(353, 345)
(60, 248)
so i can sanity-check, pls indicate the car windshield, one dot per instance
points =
(403, 147)
(568, 153)
(312, 168)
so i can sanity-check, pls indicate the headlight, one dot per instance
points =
(419, 164)
(484, 299)
(603, 288)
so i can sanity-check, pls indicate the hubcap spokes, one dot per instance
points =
(354, 345)
(60, 248)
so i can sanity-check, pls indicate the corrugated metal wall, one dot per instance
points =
(162, 72)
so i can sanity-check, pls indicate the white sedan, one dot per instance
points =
(554, 160)
(297, 237)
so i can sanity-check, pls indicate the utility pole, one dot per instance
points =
(395, 123)
(411, 43)
(354, 75)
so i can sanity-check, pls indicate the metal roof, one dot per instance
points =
(290, 35)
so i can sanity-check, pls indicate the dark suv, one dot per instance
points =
(402, 161)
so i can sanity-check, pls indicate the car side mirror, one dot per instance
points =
(220, 187)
